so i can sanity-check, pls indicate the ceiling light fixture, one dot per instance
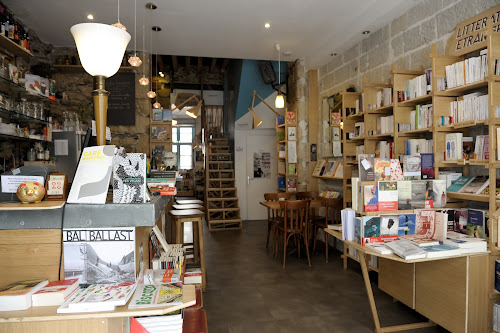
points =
(161, 74)
(90, 17)
(144, 81)
(156, 105)
(151, 93)
(135, 61)
(267, 25)
(279, 103)
(118, 24)
(101, 48)
(174, 122)
(257, 121)
(193, 112)
(366, 32)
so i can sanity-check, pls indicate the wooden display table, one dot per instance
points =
(450, 291)
(316, 203)
(46, 319)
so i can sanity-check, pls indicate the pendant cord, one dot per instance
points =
(151, 20)
(135, 27)
(118, 11)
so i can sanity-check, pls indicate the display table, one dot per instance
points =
(450, 291)
(46, 319)
(316, 203)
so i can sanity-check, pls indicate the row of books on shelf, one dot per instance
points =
(290, 135)
(329, 194)
(463, 72)
(385, 125)
(328, 169)
(420, 118)
(384, 98)
(415, 167)
(468, 107)
(417, 87)
(428, 233)
(289, 184)
(458, 147)
(282, 168)
(398, 195)
(417, 146)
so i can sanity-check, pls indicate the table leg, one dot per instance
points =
(369, 291)
(202, 254)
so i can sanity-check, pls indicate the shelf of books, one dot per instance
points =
(286, 137)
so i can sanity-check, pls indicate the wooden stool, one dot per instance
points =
(189, 201)
(195, 216)
(195, 321)
(199, 299)
(190, 206)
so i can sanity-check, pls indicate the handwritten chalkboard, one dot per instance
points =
(121, 101)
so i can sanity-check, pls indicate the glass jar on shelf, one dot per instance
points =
(31, 154)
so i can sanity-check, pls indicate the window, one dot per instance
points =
(182, 138)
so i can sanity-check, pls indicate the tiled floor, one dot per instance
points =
(249, 291)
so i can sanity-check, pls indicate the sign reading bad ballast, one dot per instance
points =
(470, 35)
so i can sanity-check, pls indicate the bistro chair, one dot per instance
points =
(273, 215)
(295, 223)
(333, 206)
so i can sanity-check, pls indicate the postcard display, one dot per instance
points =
(425, 124)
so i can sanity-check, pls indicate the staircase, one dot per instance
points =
(223, 212)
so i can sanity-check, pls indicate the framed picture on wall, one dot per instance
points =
(335, 133)
(161, 133)
(157, 115)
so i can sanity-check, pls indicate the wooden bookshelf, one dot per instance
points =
(282, 142)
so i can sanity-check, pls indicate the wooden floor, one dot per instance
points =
(249, 291)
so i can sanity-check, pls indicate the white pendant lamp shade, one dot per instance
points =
(100, 47)
(279, 103)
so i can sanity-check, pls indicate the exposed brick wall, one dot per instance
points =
(405, 41)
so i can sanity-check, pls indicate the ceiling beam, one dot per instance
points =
(224, 65)
(212, 66)
(175, 65)
(188, 65)
(200, 64)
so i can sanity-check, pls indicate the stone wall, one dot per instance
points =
(406, 41)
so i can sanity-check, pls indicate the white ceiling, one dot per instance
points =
(309, 29)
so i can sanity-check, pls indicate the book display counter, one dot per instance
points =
(31, 238)
(449, 291)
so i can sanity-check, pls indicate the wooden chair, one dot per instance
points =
(332, 216)
(295, 222)
(273, 215)
(310, 195)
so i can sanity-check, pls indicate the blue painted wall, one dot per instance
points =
(252, 80)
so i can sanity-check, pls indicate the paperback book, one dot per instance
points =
(389, 225)
(109, 294)
(460, 183)
(99, 255)
(382, 169)
(91, 181)
(427, 166)
(426, 223)
(156, 295)
(396, 171)
(418, 194)
(366, 167)
(476, 223)
(387, 196)
(129, 178)
(406, 249)
(442, 250)
(420, 240)
(407, 223)
(17, 296)
(412, 167)
(460, 222)
(370, 198)
(404, 194)
(476, 185)
(55, 293)
(318, 167)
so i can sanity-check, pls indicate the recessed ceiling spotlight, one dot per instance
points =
(333, 54)
(156, 28)
(267, 25)
(90, 17)
(366, 32)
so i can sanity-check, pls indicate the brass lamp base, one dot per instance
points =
(100, 110)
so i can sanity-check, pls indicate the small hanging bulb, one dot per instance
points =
(135, 61)
(143, 81)
(118, 24)
(151, 94)
(157, 105)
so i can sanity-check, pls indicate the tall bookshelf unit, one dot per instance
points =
(282, 145)
(349, 118)
(473, 305)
